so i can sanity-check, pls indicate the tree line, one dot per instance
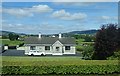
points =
(13, 36)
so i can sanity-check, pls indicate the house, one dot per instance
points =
(49, 45)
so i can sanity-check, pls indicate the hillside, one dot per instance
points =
(64, 34)
(5, 33)
(84, 32)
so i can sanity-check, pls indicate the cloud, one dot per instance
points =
(85, 0)
(75, 27)
(108, 18)
(18, 12)
(62, 14)
(21, 12)
(60, 0)
(74, 3)
(105, 17)
(40, 9)
(0, 10)
(47, 26)
(24, 28)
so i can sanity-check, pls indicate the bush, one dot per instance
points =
(88, 52)
(115, 56)
(79, 49)
(88, 39)
(60, 69)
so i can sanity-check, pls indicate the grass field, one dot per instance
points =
(81, 45)
(44, 61)
(10, 43)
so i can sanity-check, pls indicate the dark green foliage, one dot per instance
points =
(79, 49)
(13, 36)
(88, 39)
(106, 41)
(61, 69)
(115, 56)
(118, 37)
(4, 37)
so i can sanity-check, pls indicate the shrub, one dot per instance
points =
(60, 69)
(115, 56)
(88, 52)
(79, 49)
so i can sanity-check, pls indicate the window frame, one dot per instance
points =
(66, 48)
(57, 48)
(46, 47)
(32, 47)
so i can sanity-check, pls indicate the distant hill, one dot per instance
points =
(84, 32)
(64, 34)
(5, 33)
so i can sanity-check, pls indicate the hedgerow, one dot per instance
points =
(60, 69)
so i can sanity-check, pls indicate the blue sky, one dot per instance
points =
(56, 17)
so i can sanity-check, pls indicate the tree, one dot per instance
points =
(76, 36)
(106, 41)
(87, 38)
(13, 36)
(118, 38)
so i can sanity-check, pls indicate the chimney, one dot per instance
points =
(39, 34)
(60, 36)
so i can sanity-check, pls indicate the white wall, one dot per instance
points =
(52, 49)
(48, 51)
(21, 48)
(40, 48)
(5, 47)
(71, 51)
(27, 49)
(57, 44)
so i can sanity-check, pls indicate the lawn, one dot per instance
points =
(81, 45)
(10, 43)
(80, 40)
(49, 60)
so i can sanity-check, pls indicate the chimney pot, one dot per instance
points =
(39, 34)
(60, 36)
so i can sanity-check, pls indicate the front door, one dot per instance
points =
(57, 49)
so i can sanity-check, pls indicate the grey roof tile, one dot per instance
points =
(49, 40)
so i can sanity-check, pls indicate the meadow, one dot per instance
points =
(16, 65)
(10, 43)
(51, 60)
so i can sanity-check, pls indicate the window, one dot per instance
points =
(47, 47)
(32, 47)
(57, 48)
(67, 47)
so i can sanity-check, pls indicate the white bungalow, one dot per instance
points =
(49, 45)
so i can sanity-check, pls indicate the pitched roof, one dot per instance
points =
(49, 40)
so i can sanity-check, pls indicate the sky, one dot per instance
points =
(56, 17)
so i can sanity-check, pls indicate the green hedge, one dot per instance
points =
(61, 69)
